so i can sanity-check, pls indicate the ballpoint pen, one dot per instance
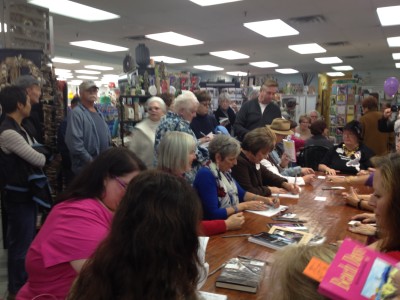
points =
(236, 235)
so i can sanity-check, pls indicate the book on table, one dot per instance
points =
(241, 274)
(359, 273)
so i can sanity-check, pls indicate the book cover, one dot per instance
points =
(294, 226)
(358, 273)
(289, 149)
(300, 237)
(241, 274)
(269, 240)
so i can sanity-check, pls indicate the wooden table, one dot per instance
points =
(328, 218)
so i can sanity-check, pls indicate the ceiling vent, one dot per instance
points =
(352, 57)
(337, 44)
(202, 54)
(308, 19)
(242, 64)
(137, 38)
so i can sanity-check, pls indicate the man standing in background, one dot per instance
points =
(258, 112)
(87, 132)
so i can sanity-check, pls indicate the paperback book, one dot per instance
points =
(300, 237)
(272, 241)
(359, 273)
(241, 274)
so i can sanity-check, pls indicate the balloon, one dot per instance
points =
(391, 86)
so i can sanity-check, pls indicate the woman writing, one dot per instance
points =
(220, 194)
(151, 251)
(176, 153)
(78, 223)
(349, 157)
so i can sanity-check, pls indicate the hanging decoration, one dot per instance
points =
(142, 55)
(391, 86)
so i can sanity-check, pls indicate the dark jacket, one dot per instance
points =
(249, 117)
(203, 125)
(253, 180)
(219, 114)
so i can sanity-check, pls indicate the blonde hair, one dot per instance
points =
(174, 150)
(287, 281)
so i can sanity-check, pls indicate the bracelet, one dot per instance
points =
(359, 203)
(235, 209)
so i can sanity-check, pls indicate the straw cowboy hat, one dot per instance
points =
(280, 126)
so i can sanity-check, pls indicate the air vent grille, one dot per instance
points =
(202, 54)
(137, 38)
(353, 57)
(337, 44)
(308, 19)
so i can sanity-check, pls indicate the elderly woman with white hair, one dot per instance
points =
(183, 112)
(143, 134)
(225, 115)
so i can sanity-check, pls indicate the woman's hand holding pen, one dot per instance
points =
(254, 205)
(293, 188)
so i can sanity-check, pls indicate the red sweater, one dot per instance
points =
(212, 227)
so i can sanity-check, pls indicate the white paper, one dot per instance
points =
(337, 188)
(269, 212)
(299, 180)
(288, 195)
(321, 177)
(320, 198)
(212, 296)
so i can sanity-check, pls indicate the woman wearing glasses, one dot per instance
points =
(144, 133)
(221, 195)
(78, 223)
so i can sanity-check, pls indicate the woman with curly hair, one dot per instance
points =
(151, 251)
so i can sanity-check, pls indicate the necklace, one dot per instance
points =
(348, 152)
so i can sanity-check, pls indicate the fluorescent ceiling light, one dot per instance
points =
(398, 65)
(389, 15)
(229, 54)
(100, 68)
(212, 2)
(75, 82)
(342, 68)
(394, 41)
(286, 71)
(328, 60)
(174, 38)
(237, 73)
(87, 77)
(396, 55)
(65, 76)
(5, 27)
(98, 46)
(271, 28)
(168, 60)
(208, 68)
(307, 48)
(335, 74)
(61, 71)
(89, 72)
(63, 60)
(74, 10)
(263, 64)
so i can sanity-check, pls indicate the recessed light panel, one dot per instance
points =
(174, 38)
(168, 60)
(397, 65)
(208, 68)
(286, 71)
(271, 28)
(89, 72)
(212, 2)
(61, 71)
(396, 55)
(389, 15)
(75, 10)
(229, 54)
(335, 74)
(263, 64)
(87, 77)
(307, 48)
(63, 60)
(342, 68)
(328, 60)
(394, 41)
(75, 82)
(237, 73)
(98, 46)
(100, 68)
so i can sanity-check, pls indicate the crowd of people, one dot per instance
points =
(117, 221)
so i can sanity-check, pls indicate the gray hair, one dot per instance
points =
(174, 150)
(159, 101)
(225, 145)
(184, 101)
(223, 97)
(315, 111)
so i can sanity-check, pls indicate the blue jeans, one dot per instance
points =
(21, 230)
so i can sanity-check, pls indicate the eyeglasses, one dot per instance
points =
(120, 182)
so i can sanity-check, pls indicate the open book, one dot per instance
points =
(289, 149)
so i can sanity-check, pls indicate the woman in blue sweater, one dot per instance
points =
(220, 194)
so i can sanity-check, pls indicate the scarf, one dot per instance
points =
(226, 187)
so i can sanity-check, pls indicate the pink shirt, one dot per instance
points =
(72, 231)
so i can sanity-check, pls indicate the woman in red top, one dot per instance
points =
(175, 155)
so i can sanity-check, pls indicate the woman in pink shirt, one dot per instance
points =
(78, 223)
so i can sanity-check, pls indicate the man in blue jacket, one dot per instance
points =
(87, 132)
